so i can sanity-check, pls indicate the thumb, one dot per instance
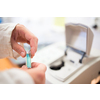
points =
(19, 49)
(24, 67)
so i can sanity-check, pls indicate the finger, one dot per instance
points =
(34, 64)
(33, 45)
(42, 67)
(39, 66)
(24, 67)
(32, 51)
(19, 49)
(22, 40)
(38, 75)
(30, 37)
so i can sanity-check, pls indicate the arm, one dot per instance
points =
(5, 41)
(10, 34)
(24, 75)
(12, 75)
(15, 76)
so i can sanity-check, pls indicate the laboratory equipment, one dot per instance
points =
(81, 63)
(28, 59)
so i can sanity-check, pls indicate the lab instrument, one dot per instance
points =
(72, 61)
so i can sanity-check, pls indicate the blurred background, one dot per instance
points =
(50, 30)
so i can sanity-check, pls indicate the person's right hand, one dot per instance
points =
(37, 72)
(23, 35)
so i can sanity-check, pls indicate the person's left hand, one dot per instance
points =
(37, 72)
(23, 35)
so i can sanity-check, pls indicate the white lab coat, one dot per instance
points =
(13, 75)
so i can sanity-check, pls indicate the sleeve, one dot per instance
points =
(15, 76)
(5, 41)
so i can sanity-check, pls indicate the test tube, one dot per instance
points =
(28, 59)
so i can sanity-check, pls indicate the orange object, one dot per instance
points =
(6, 64)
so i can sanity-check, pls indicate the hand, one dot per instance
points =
(23, 35)
(37, 72)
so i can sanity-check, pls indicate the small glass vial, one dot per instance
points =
(28, 59)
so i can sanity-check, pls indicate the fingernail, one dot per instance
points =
(22, 54)
(32, 55)
(24, 66)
